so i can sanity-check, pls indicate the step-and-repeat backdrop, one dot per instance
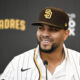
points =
(17, 35)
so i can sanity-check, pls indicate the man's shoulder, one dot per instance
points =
(26, 54)
(73, 52)
(23, 58)
(74, 57)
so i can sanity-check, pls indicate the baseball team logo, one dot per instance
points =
(48, 13)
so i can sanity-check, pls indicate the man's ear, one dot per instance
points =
(66, 34)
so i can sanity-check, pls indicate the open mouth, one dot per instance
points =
(45, 42)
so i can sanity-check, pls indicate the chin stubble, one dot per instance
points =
(52, 49)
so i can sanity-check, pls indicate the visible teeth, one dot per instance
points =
(45, 41)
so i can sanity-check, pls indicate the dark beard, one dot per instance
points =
(52, 49)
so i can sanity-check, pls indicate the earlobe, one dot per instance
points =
(66, 34)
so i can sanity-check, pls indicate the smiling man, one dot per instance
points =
(50, 60)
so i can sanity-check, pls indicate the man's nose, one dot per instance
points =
(45, 33)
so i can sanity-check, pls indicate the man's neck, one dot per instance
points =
(53, 57)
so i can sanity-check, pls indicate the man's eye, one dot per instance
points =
(40, 27)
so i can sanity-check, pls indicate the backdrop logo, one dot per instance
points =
(72, 24)
(15, 24)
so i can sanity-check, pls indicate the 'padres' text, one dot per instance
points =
(15, 24)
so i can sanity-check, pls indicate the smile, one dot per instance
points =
(45, 42)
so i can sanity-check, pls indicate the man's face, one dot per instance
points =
(50, 38)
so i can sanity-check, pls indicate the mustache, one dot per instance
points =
(46, 38)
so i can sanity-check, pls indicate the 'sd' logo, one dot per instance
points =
(48, 13)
